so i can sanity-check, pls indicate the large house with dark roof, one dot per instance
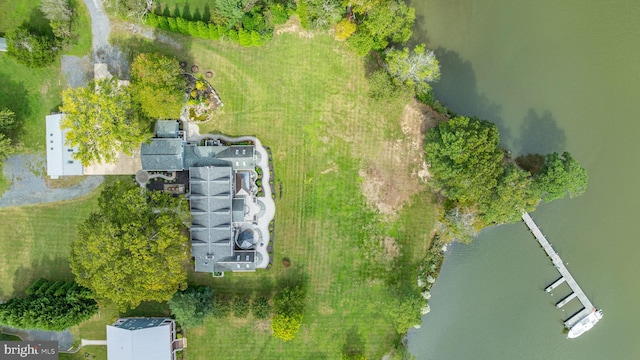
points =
(230, 209)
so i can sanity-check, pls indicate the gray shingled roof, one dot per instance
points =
(162, 155)
(210, 201)
(240, 157)
(166, 129)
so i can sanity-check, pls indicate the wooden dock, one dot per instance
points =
(565, 276)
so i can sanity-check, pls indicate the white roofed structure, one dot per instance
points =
(60, 157)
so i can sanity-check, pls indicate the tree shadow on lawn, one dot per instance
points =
(15, 97)
(174, 45)
(44, 267)
(149, 309)
(38, 23)
(354, 343)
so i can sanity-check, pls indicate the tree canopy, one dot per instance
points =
(512, 195)
(414, 69)
(483, 186)
(133, 248)
(192, 305)
(560, 175)
(101, 121)
(385, 22)
(465, 159)
(60, 15)
(31, 48)
(7, 128)
(158, 85)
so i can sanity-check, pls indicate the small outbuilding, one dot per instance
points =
(3, 44)
(60, 157)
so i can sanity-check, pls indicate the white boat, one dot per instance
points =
(585, 324)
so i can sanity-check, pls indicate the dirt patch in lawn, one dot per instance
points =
(398, 170)
(293, 26)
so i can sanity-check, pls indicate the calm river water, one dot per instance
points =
(553, 75)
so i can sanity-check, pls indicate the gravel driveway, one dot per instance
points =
(27, 174)
(64, 338)
(100, 26)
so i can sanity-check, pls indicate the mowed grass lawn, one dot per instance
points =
(34, 242)
(307, 100)
(32, 94)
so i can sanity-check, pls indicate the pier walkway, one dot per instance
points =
(566, 276)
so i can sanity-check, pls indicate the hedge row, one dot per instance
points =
(211, 31)
(49, 305)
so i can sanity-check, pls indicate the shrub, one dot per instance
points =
(382, 87)
(203, 30)
(163, 23)
(214, 34)
(244, 37)
(193, 28)
(183, 26)
(240, 307)
(173, 24)
(49, 312)
(232, 35)
(153, 19)
(278, 13)
(256, 40)
(191, 306)
(221, 308)
(286, 327)
(33, 288)
(260, 307)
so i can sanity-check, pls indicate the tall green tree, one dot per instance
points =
(101, 121)
(461, 224)
(512, 195)
(465, 159)
(192, 305)
(387, 22)
(415, 69)
(158, 85)
(60, 14)
(320, 14)
(133, 248)
(30, 48)
(560, 175)
(227, 12)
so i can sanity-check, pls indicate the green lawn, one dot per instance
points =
(34, 242)
(34, 93)
(306, 99)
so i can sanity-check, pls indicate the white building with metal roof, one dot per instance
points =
(143, 339)
(60, 157)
